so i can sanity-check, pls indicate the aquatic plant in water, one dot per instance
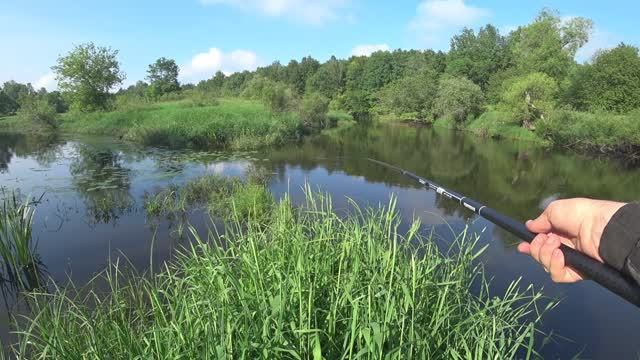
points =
(19, 263)
(302, 283)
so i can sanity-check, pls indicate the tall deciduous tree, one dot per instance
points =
(330, 79)
(611, 82)
(530, 98)
(458, 98)
(549, 44)
(163, 76)
(477, 57)
(87, 74)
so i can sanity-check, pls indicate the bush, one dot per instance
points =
(313, 111)
(602, 132)
(610, 83)
(411, 95)
(458, 98)
(529, 98)
(279, 98)
(38, 111)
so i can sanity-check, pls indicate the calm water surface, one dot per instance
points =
(93, 188)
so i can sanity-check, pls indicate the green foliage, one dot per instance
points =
(163, 76)
(458, 98)
(358, 103)
(599, 132)
(19, 261)
(548, 45)
(10, 96)
(330, 79)
(232, 123)
(610, 83)
(412, 94)
(531, 97)
(297, 73)
(37, 111)
(478, 57)
(301, 283)
(87, 74)
(313, 111)
(279, 98)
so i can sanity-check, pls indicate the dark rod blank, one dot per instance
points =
(591, 268)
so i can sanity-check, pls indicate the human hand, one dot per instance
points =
(577, 223)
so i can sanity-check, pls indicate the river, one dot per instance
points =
(93, 188)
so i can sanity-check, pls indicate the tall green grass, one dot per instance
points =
(301, 283)
(224, 197)
(19, 262)
(600, 132)
(233, 123)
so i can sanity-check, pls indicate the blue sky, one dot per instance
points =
(204, 36)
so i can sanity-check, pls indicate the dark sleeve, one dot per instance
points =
(619, 244)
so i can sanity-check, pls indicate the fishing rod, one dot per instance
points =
(603, 274)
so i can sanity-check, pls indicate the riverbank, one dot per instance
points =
(592, 133)
(231, 123)
(300, 282)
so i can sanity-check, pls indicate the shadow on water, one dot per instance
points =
(95, 188)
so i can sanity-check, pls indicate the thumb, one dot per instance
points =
(541, 224)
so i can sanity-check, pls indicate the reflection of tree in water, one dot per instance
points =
(44, 148)
(101, 179)
(512, 177)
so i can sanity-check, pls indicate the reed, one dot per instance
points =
(304, 283)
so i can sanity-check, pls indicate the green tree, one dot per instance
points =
(87, 74)
(313, 110)
(458, 98)
(411, 95)
(330, 79)
(297, 73)
(477, 57)
(36, 109)
(163, 76)
(530, 98)
(13, 92)
(611, 82)
(6, 104)
(548, 45)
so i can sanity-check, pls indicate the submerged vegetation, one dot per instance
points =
(298, 283)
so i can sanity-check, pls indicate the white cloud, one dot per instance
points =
(204, 65)
(599, 40)
(47, 81)
(368, 49)
(315, 12)
(437, 20)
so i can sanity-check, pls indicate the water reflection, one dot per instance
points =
(101, 178)
(96, 187)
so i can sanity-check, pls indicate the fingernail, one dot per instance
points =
(528, 221)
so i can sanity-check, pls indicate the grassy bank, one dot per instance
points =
(602, 133)
(302, 283)
(233, 123)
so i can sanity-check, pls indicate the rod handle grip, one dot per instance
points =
(590, 268)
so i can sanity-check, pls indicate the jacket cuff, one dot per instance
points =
(620, 236)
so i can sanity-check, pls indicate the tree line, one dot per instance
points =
(526, 73)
